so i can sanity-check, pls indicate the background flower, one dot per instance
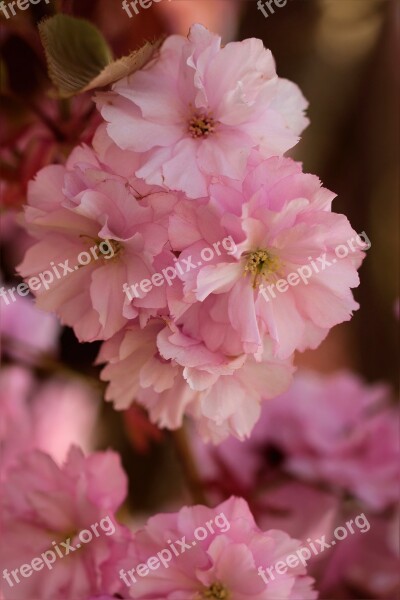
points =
(46, 503)
(225, 562)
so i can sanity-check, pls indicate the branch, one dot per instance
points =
(188, 465)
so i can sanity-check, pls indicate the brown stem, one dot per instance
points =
(188, 465)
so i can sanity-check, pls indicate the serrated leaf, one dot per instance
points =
(76, 52)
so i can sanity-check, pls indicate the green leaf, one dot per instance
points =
(76, 52)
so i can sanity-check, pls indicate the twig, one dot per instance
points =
(189, 467)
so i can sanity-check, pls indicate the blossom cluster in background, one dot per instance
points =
(323, 450)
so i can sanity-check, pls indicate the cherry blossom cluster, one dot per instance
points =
(54, 497)
(45, 504)
(333, 432)
(325, 450)
(191, 152)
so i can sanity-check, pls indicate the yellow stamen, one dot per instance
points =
(262, 263)
(201, 125)
(216, 591)
(116, 246)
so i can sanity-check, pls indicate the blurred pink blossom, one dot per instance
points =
(337, 429)
(221, 16)
(43, 503)
(15, 419)
(26, 328)
(48, 416)
(329, 430)
(364, 567)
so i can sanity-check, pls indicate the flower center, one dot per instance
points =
(262, 263)
(201, 125)
(104, 249)
(216, 591)
(113, 247)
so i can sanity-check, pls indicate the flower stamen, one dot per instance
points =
(216, 591)
(262, 263)
(114, 247)
(201, 125)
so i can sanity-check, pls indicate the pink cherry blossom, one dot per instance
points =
(86, 205)
(26, 329)
(337, 429)
(197, 110)
(172, 374)
(49, 416)
(366, 565)
(15, 420)
(333, 430)
(223, 16)
(43, 503)
(64, 413)
(223, 564)
(281, 222)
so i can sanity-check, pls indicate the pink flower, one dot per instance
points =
(26, 329)
(336, 429)
(44, 507)
(331, 431)
(87, 208)
(48, 416)
(223, 16)
(15, 420)
(284, 276)
(197, 110)
(225, 552)
(366, 565)
(64, 413)
(172, 374)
